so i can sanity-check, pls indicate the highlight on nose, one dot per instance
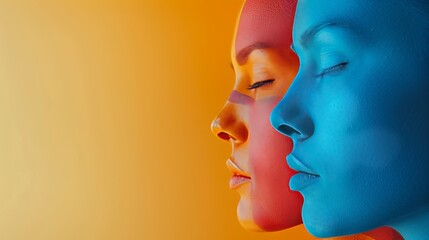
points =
(227, 126)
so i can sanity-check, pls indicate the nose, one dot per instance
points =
(290, 118)
(229, 124)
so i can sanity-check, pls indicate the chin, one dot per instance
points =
(255, 218)
(250, 225)
(324, 223)
(245, 215)
(322, 229)
(270, 222)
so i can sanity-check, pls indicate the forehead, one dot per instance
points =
(364, 14)
(311, 12)
(268, 22)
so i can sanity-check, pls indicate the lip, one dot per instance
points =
(298, 165)
(305, 176)
(239, 176)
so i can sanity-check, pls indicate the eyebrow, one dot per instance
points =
(308, 36)
(244, 53)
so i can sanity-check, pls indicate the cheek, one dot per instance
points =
(357, 147)
(374, 149)
(335, 112)
(356, 123)
(268, 149)
(352, 140)
(275, 206)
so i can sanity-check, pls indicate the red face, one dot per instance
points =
(265, 67)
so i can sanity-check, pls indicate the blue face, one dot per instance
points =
(358, 113)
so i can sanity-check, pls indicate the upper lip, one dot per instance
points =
(235, 169)
(298, 165)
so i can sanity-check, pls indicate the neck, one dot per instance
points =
(414, 226)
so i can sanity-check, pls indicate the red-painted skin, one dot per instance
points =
(271, 181)
(262, 52)
(384, 233)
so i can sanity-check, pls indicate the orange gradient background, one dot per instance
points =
(105, 121)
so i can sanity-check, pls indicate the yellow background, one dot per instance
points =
(105, 111)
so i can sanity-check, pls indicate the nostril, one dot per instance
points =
(224, 136)
(289, 131)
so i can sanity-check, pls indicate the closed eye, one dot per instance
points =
(260, 84)
(333, 70)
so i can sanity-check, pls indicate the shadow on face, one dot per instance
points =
(357, 113)
(264, 67)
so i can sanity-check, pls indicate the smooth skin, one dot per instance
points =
(265, 67)
(358, 113)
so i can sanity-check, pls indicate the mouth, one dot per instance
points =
(305, 176)
(239, 177)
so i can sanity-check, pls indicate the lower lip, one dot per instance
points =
(238, 180)
(302, 180)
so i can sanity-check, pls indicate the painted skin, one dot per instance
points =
(265, 66)
(258, 150)
(358, 113)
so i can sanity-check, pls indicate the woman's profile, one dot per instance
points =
(265, 67)
(358, 113)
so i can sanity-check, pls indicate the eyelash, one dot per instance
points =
(260, 84)
(333, 69)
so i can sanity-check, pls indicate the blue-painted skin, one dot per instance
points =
(358, 113)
